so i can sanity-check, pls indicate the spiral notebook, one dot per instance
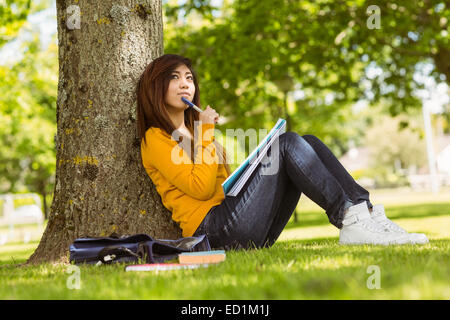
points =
(234, 183)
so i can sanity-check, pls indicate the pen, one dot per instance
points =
(191, 104)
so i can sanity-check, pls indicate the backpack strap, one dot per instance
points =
(112, 253)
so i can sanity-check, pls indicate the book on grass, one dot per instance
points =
(162, 266)
(234, 183)
(213, 256)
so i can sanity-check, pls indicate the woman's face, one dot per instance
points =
(181, 85)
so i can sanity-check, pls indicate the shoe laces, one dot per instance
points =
(391, 225)
(379, 216)
(371, 225)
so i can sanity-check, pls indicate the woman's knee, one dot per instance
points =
(314, 142)
(289, 137)
(294, 144)
(310, 138)
(292, 139)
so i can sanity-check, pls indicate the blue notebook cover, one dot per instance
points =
(228, 184)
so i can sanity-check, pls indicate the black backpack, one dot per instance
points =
(131, 249)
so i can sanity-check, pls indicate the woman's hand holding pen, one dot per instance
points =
(209, 115)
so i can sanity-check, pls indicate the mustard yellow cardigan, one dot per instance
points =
(188, 190)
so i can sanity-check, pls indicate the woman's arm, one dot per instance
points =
(197, 179)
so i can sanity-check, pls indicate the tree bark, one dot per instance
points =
(101, 186)
(442, 61)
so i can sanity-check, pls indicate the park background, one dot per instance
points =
(378, 95)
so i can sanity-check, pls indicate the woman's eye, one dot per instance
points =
(175, 76)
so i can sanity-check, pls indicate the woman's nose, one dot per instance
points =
(183, 83)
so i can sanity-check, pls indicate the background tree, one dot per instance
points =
(391, 160)
(13, 15)
(328, 48)
(27, 123)
(27, 105)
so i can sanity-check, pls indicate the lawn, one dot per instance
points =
(306, 263)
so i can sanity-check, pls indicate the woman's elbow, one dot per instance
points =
(203, 193)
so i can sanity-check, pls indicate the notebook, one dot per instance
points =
(234, 183)
(213, 256)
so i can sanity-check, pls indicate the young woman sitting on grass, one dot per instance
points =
(191, 188)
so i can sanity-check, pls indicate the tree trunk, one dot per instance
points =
(44, 204)
(288, 128)
(442, 61)
(101, 186)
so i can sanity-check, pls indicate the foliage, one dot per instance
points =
(27, 123)
(402, 153)
(256, 51)
(13, 16)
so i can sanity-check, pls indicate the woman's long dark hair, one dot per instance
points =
(151, 109)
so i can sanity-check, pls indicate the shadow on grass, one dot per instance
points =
(14, 254)
(317, 218)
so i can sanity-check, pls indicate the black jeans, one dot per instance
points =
(258, 214)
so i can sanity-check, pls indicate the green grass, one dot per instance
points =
(296, 269)
(306, 263)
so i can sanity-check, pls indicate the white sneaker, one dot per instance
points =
(359, 228)
(379, 216)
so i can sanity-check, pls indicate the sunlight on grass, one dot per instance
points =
(333, 263)
(433, 227)
(309, 233)
(306, 263)
(16, 252)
